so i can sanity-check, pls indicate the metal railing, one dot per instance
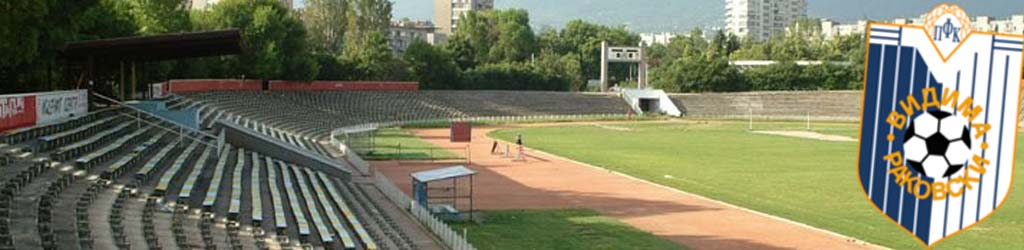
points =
(341, 131)
(181, 131)
(356, 162)
(448, 236)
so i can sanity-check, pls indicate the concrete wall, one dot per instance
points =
(207, 85)
(250, 139)
(341, 85)
(821, 105)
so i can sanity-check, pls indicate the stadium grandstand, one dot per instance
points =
(314, 114)
(138, 177)
(112, 175)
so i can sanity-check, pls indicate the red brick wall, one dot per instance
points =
(188, 86)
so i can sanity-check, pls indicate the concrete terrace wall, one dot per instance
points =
(207, 85)
(341, 86)
(820, 105)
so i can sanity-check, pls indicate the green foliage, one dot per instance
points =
(159, 16)
(367, 50)
(273, 39)
(31, 32)
(754, 171)
(348, 40)
(698, 73)
(433, 67)
(500, 36)
(511, 76)
(399, 144)
(804, 180)
(327, 23)
(373, 61)
(583, 40)
(692, 64)
(785, 75)
(558, 229)
(498, 50)
(566, 69)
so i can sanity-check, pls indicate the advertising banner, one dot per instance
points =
(17, 111)
(54, 106)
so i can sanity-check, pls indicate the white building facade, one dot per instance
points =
(1013, 25)
(448, 12)
(762, 19)
(403, 33)
(205, 4)
(664, 38)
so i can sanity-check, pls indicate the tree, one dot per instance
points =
(516, 41)
(564, 71)
(374, 61)
(367, 52)
(274, 40)
(368, 16)
(159, 16)
(510, 76)
(32, 31)
(784, 75)
(487, 37)
(583, 41)
(327, 22)
(433, 68)
(698, 73)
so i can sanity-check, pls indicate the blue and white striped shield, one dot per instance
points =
(939, 123)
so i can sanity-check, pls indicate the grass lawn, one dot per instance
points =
(398, 144)
(558, 229)
(810, 181)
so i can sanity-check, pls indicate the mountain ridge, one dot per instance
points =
(684, 15)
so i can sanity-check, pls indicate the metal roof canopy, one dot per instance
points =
(442, 174)
(156, 48)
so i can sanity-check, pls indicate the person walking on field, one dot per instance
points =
(519, 139)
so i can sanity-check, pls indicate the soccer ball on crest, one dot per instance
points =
(937, 144)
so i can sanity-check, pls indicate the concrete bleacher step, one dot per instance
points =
(162, 219)
(99, 219)
(65, 222)
(376, 223)
(165, 178)
(23, 221)
(133, 222)
(185, 227)
(221, 239)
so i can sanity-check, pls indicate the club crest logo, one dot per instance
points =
(939, 124)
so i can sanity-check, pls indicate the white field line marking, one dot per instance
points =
(852, 239)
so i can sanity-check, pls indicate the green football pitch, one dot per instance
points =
(552, 229)
(806, 180)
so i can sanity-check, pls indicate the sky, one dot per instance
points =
(682, 15)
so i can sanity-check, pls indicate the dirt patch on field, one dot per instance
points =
(546, 181)
(610, 127)
(809, 135)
